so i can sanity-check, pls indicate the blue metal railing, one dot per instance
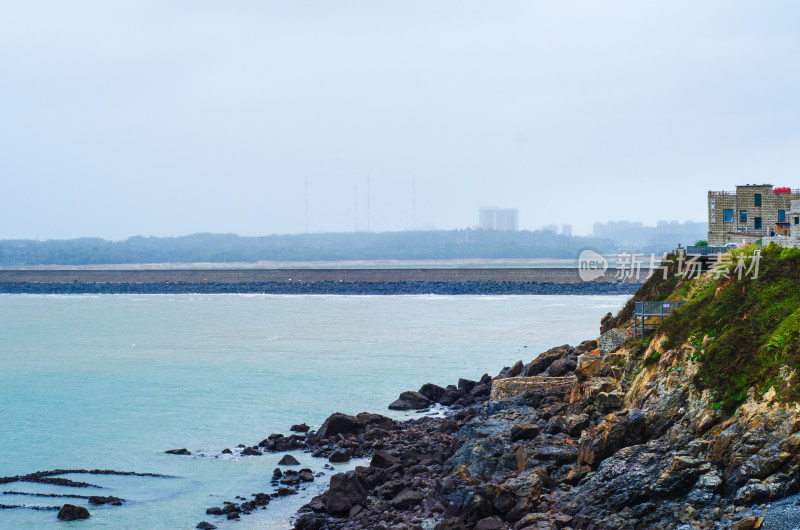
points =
(693, 250)
(651, 310)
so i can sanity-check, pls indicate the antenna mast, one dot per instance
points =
(306, 205)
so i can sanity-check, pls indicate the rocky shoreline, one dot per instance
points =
(325, 287)
(628, 445)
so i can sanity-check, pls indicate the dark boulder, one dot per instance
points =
(368, 418)
(407, 499)
(230, 508)
(233, 515)
(466, 400)
(310, 521)
(432, 392)
(214, 511)
(205, 526)
(481, 390)
(383, 460)
(376, 433)
(514, 371)
(466, 385)
(183, 451)
(279, 443)
(300, 428)
(390, 488)
(410, 401)
(261, 499)
(451, 395)
(70, 512)
(251, 451)
(338, 423)
(489, 523)
(339, 456)
(306, 475)
(561, 367)
(544, 360)
(288, 460)
(346, 490)
(284, 491)
(291, 478)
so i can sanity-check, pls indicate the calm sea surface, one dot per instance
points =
(111, 381)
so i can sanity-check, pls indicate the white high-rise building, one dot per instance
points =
(494, 218)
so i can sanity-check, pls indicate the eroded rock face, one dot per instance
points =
(591, 365)
(611, 434)
(634, 446)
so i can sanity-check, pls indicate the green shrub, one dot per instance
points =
(755, 325)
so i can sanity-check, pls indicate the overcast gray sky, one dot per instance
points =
(169, 118)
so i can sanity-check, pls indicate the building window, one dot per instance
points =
(781, 216)
(797, 220)
(743, 216)
(757, 223)
(757, 200)
(727, 215)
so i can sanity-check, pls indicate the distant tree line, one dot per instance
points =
(441, 244)
(634, 234)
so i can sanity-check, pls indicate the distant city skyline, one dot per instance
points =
(165, 119)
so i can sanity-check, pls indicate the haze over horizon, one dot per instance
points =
(146, 118)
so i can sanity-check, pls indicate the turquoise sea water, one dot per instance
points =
(111, 381)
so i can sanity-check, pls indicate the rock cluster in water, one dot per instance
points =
(67, 512)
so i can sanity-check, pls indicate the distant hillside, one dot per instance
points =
(453, 244)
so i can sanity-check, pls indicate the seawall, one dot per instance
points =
(317, 281)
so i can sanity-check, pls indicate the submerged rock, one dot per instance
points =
(70, 512)
(97, 499)
(183, 451)
(339, 456)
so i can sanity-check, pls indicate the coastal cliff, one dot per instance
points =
(696, 427)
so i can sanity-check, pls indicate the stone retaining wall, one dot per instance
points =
(613, 338)
(513, 386)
